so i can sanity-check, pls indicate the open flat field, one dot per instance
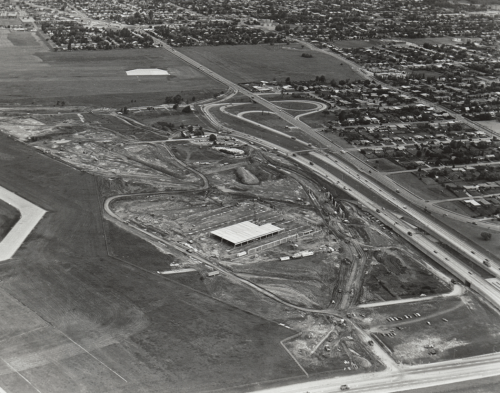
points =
(95, 78)
(356, 43)
(413, 184)
(10, 21)
(247, 63)
(76, 320)
(8, 217)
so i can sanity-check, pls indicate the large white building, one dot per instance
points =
(245, 232)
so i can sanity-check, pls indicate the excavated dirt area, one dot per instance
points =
(330, 254)
(435, 330)
(394, 272)
(97, 149)
(326, 345)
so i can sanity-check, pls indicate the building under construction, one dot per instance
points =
(245, 232)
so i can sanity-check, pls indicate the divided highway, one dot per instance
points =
(443, 235)
(409, 377)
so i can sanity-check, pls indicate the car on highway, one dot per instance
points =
(311, 163)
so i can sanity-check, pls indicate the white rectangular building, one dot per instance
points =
(245, 232)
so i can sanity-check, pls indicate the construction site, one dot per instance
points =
(248, 226)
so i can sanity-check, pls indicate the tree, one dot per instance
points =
(288, 80)
(212, 138)
(486, 235)
(175, 106)
(177, 99)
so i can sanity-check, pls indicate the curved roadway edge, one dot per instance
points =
(31, 214)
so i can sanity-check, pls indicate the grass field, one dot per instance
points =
(76, 320)
(419, 188)
(10, 21)
(267, 119)
(32, 74)
(318, 119)
(8, 217)
(23, 38)
(296, 106)
(247, 63)
(356, 43)
(256, 131)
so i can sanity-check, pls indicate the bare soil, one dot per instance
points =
(470, 330)
(395, 274)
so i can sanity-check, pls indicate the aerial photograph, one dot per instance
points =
(232, 196)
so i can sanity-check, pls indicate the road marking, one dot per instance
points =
(22, 376)
(78, 345)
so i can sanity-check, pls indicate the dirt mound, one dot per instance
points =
(246, 177)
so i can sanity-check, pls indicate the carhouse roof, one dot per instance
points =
(245, 231)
